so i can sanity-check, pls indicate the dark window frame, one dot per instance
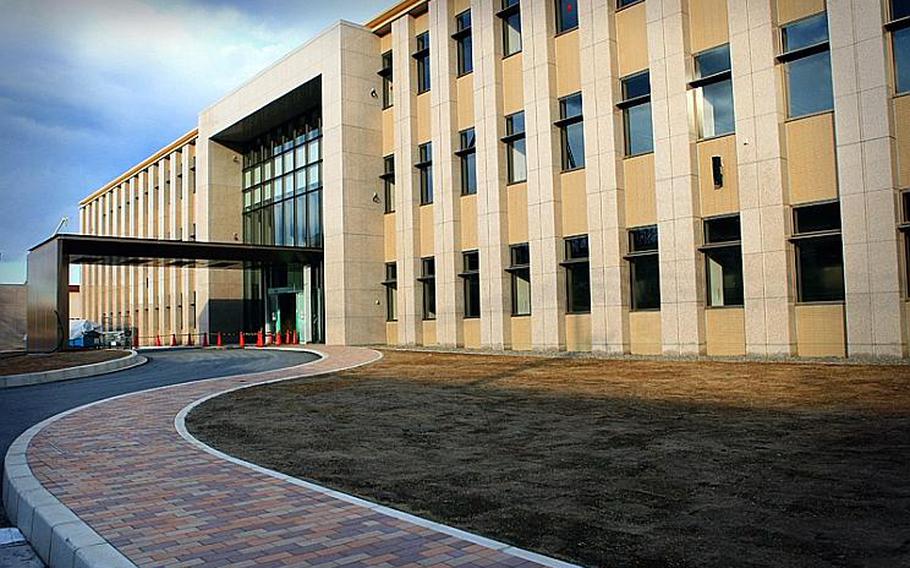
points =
(702, 81)
(464, 45)
(388, 97)
(561, 26)
(391, 289)
(805, 241)
(510, 139)
(898, 25)
(904, 228)
(510, 12)
(803, 53)
(388, 183)
(422, 57)
(519, 270)
(565, 122)
(467, 152)
(425, 170)
(577, 267)
(638, 256)
(471, 281)
(427, 281)
(722, 246)
(627, 104)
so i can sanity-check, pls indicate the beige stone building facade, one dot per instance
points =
(720, 177)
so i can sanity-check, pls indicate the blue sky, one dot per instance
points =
(90, 87)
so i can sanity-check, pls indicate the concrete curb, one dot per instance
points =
(134, 359)
(60, 538)
(505, 548)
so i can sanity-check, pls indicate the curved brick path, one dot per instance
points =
(123, 468)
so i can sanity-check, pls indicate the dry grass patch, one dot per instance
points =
(40, 362)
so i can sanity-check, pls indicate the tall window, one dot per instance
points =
(808, 66)
(422, 56)
(566, 15)
(572, 132)
(819, 253)
(464, 43)
(636, 114)
(723, 261)
(471, 278)
(388, 182)
(391, 291)
(905, 231)
(386, 73)
(520, 271)
(467, 153)
(644, 268)
(714, 92)
(425, 167)
(282, 185)
(428, 284)
(511, 27)
(516, 154)
(578, 275)
(624, 3)
(899, 25)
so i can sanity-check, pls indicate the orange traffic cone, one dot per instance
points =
(296, 338)
(157, 341)
(205, 339)
(242, 340)
(173, 340)
(189, 338)
(278, 339)
(219, 340)
(259, 340)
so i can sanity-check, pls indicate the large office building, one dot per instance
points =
(720, 177)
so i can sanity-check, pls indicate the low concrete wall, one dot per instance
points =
(12, 316)
(80, 372)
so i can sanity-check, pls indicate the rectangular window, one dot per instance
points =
(899, 26)
(636, 114)
(624, 3)
(713, 86)
(428, 284)
(471, 278)
(516, 154)
(464, 45)
(467, 153)
(425, 167)
(520, 271)
(723, 261)
(388, 182)
(391, 291)
(422, 56)
(388, 97)
(819, 253)
(807, 63)
(578, 275)
(571, 126)
(566, 15)
(511, 27)
(644, 268)
(904, 228)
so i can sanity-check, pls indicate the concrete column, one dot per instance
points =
(173, 216)
(446, 176)
(162, 172)
(492, 197)
(604, 180)
(866, 178)
(760, 111)
(410, 329)
(676, 181)
(548, 297)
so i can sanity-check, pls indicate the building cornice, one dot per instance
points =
(385, 18)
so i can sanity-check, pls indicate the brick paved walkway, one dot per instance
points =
(123, 468)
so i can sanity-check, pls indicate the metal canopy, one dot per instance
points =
(128, 251)
(48, 270)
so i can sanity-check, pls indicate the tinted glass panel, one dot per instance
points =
(725, 277)
(518, 161)
(645, 272)
(570, 106)
(809, 85)
(577, 248)
(636, 86)
(515, 123)
(902, 60)
(521, 255)
(566, 15)
(821, 270)
(573, 146)
(642, 240)
(579, 289)
(813, 218)
(639, 133)
(810, 31)
(713, 61)
(511, 34)
(900, 9)
(722, 230)
(463, 20)
(715, 109)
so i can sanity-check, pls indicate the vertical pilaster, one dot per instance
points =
(676, 181)
(548, 296)
(410, 330)
(864, 138)
(603, 171)
(761, 166)
(447, 204)
(492, 197)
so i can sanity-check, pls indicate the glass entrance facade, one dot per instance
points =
(282, 205)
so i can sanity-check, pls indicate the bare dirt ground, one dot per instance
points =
(36, 363)
(605, 463)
